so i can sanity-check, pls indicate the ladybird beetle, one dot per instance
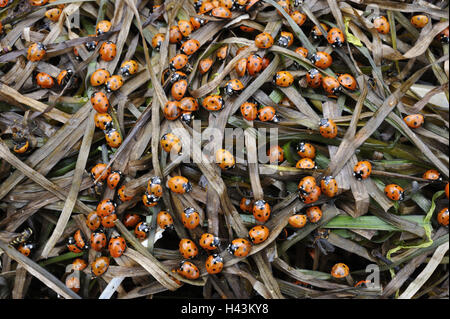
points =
(329, 186)
(447, 190)
(188, 249)
(221, 13)
(4, 3)
(314, 214)
(214, 264)
(154, 186)
(286, 39)
(190, 218)
(394, 192)
(79, 240)
(242, 48)
(335, 37)
(114, 83)
(108, 221)
(229, 4)
(53, 14)
(327, 128)
(150, 200)
(381, 24)
(225, 159)
(113, 179)
(275, 154)
(93, 221)
(117, 246)
(331, 85)
(306, 163)
(79, 264)
(306, 150)
(100, 102)
(209, 241)
(157, 41)
(314, 78)
(362, 170)
(261, 210)
(263, 40)
(442, 217)
(190, 46)
(141, 230)
(122, 196)
(179, 184)
(21, 147)
(98, 172)
(106, 207)
(99, 266)
(316, 33)
(321, 59)
(44, 80)
(222, 52)
(171, 142)
(103, 121)
(71, 245)
(340, 270)
(432, 174)
(108, 51)
(131, 220)
(285, 5)
(233, 86)
(73, 283)
(178, 90)
(64, 76)
(164, 220)
(306, 185)
(419, 21)
(177, 76)
(283, 79)
(297, 220)
(249, 111)
(129, 67)
(252, 4)
(241, 67)
(213, 103)
(175, 35)
(204, 65)
(246, 28)
(178, 62)
(302, 51)
(26, 248)
(98, 240)
(254, 64)
(298, 17)
(197, 22)
(91, 45)
(185, 27)
(443, 36)
(266, 62)
(414, 120)
(188, 270)
(239, 247)
(36, 52)
(102, 27)
(347, 81)
(99, 77)
(258, 234)
(312, 197)
(246, 205)
(267, 113)
(189, 104)
(172, 110)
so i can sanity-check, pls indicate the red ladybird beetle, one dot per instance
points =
(79, 240)
(267, 113)
(171, 142)
(335, 37)
(93, 221)
(98, 172)
(71, 245)
(246, 205)
(122, 196)
(419, 21)
(314, 214)
(233, 86)
(414, 120)
(331, 86)
(432, 174)
(312, 197)
(178, 62)
(129, 67)
(209, 241)
(286, 39)
(314, 78)
(204, 65)
(103, 27)
(306, 150)
(442, 217)
(249, 111)
(239, 247)
(329, 186)
(305, 163)
(190, 46)
(188, 270)
(103, 121)
(106, 207)
(327, 128)
(114, 83)
(36, 52)
(99, 266)
(258, 234)
(98, 240)
(225, 159)
(99, 77)
(263, 40)
(254, 64)
(64, 76)
(362, 170)
(164, 220)
(213, 103)
(141, 230)
(100, 102)
(157, 41)
(381, 24)
(214, 264)
(298, 17)
(175, 35)
(150, 200)
(321, 59)
(108, 221)
(172, 110)
(394, 192)
(131, 220)
(298, 220)
(179, 89)
(44, 80)
(188, 249)
(113, 179)
(108, 51)
(261, 210)
(113, 138)
(306, 185)
(190, 218)
(185, 27)
(283, 79)
(179, 184)
(347, 81)
(117, 246)
(221, 13)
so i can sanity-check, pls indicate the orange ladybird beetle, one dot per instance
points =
(275, 154)
(321, 59)
(414, 120)
(221, 13)
(179, 89)
(64, 77)
(329, 186)
(335, 37)
(36, 52)
(381, 24)
(225, 159)
(178, 62)
(340, 270)
(113, 179)
(447, 190)
(157, 41)
(347, 81)
(172, 110)
(114, 83)
(108, 221)
(241, 67)
(394, 192)
(98, 172)
(154, 186)
(254, 64)
(106, 207)
(102, 27)
(432, 174)
(179, 184)
(442, 217)
(141, 230)
(103, 121)
(239, 247)
(286, 39)
(443, 36)
(131, 220)
(185, 27)
(306, 185)
(312, 197)
(164, 220)
(71, 245)
(314, 78)
(117, 246)
(204, 65)
(258, 234)
(314, 214)
(316, 33)
(249, 111)
(91, 45)
(188, 270)
(267, 113)
(99, 266)
(79, 240)
(188, 249)
(222, 52)
(261, 210)
(209, 241)
(362, 170)
(98, 240)
(53, 14)
(128, 67)
(150, 200)
(306, 163)
(298, 17)
(419, 21)
(263, 40)
(214, 264)
(73, 283)
(121, 193)
(21, 147)
(298, 220)
(283, 79)
(4, 3)
(302, 51)
(93, 221)
(108, 51)
(306, 150)
(246, 205)
(285, 5)
(190, 218)
(190, 46)
(213, 103)
(171, 142)
(79, 264)
(175, 35)
(233, 86)
(189, 104)
(327, 128)
(331, 86)
(99, 77)
(44, 80)
(100, 102)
